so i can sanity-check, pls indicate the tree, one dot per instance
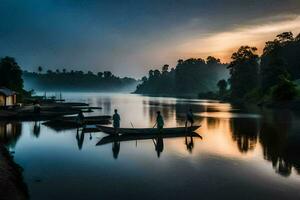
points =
(222, 85)
(212, 60)
(107, 74)
(100, 74)
(165, 69)
(151, 74)
(144, 79)
(243, 71)
(90, 73)
(285, 37)
(64, 70)
(11, 74)
(40, 69)
(285, 90)
(156, 73)
(57, 71)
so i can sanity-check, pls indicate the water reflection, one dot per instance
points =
(245, 133)
(280, 142)
(80, 138)
(36, 129)
(159, 145)
(10, 133)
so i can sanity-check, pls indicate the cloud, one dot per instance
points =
(223, 44)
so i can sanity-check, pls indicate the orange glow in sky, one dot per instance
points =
(223, 44)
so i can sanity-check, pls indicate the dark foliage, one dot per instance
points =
(279, 57)
(190, 76)
(243, 71)
(11, 74)
(285, 90)
(77, 81)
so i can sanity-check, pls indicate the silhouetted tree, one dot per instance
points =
(100, 74)
(11, 74)
(243, 71)
(222, 85)
(165, 69)
(212, 60)
(285, 90)
(280, 56)
(107, 74)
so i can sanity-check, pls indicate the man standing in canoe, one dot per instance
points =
(116, 120)
(189, 118)
(159, 121)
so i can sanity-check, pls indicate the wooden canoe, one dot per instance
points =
(124, 138)
(137, 131)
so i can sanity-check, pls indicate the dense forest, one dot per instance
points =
(269, 77)
(188, 77)
(76, 81)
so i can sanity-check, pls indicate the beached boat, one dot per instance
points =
(136, 131)
(134, 137)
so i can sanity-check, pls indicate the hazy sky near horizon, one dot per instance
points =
(130, 37)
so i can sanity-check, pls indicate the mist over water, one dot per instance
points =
(243, 153)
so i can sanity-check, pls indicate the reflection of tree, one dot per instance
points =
(10, 133)
(280, 143)
(244, 132)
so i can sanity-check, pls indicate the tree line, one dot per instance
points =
(73, 80)
(267, 77)
(249, 76)
(187, 77)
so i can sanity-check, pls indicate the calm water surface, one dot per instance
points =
(243, 154)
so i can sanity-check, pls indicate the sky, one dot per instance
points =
(130, 37)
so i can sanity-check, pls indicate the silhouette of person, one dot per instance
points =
(159, 121)
(80, 118)
(189, 118)
(116, 120)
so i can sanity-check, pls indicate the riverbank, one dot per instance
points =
(12, 186)
(47, 111)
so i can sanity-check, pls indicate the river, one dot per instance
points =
(243, 153)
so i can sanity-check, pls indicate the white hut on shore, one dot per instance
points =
(7, 97)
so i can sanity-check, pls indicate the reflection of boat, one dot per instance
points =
(145, 136)
(138, 131)
(70, 122)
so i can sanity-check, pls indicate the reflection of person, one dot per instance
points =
(116, 149)
(189, 144)
(159, 121)
(116, 120)
(159, 145)
(189, 118)
(36, 129)
(79, 139)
